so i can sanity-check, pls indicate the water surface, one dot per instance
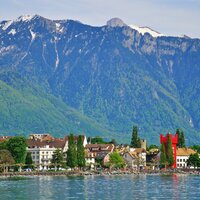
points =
(102, 187)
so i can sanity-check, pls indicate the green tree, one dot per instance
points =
(80, 152)
(29, 160)
(181, 138)
(57, 158)
(97, 140)
(163, 159)
(116, 160)
(196, 148)
(3, 145)
(169, 151)
(17, 147)
(193, 160)
(71, 152)
(6, 159)
(135, 140)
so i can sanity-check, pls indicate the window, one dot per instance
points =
(33, 152)
(33, 157)
(177, 165)
(183, 160)
(177, 160)
(180, 160)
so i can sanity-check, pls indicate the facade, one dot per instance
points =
(135, 158)
(98, 151)
(42, 147)
(182, 157)
(174, 139)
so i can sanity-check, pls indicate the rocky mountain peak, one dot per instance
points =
(116, 22)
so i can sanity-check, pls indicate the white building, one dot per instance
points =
(182, 155)
(42, 147)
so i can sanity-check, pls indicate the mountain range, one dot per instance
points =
(62, 76)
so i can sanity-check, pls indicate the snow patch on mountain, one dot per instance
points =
(33, 35)
(12, 31)
(25, 18)
(7, 24)
(143, 30)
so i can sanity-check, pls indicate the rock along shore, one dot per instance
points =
(89, 173)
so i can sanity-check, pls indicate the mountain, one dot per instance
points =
(108, 78)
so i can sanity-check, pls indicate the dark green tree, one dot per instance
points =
(80, 152)
(57, 158)
(169, 151)
(113, 141)
(135, 140)
(194, 160)
(181, 138)
(163, 159)
(97, 140)
(71, 152)
(17, 147)
(196, 148)
(28, 160)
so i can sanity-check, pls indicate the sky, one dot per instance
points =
(170, 17)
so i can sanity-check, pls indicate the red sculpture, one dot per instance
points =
(174, 139)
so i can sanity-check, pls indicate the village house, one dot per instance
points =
(95, 152)
(182, 155)
(135, 158)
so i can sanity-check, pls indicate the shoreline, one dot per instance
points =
(96, 173)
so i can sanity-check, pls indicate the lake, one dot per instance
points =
(102, 187)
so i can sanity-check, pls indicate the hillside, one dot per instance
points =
(112, 77)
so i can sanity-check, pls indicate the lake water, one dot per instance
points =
(102, 187)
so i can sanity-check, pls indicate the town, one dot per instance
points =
(43, 152)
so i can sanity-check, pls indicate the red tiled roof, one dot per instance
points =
(100, 147)
(56, 143)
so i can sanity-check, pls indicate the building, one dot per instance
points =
(42, 147)
(174, 139)
(135, 158)
(182, 155)
(98, 152)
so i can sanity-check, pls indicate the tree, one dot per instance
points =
(80, 152)
(116, 160)
(193, 160)
(28, 160)
(135, 140)
(181, 138)
(3, 145)
(196, 148)
(113, 141)
(97, 140)
(17, 147)
(169, 151)
(71, 152)
(57, 158)
(6, 159)
(163, 158)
